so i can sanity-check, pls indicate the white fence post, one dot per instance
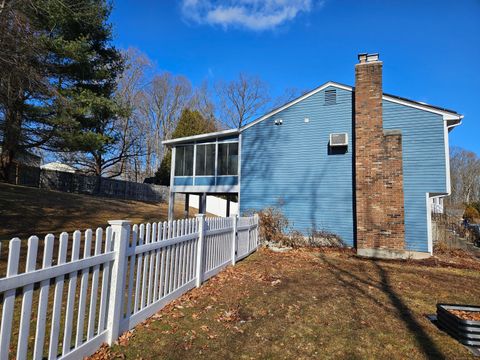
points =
(257, 223)
(234, 239)
(121, 231)
(201, 236)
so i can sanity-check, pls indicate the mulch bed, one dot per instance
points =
(466, 315)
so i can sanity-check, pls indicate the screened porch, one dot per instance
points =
(206, 167)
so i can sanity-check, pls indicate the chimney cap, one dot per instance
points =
(367, 58)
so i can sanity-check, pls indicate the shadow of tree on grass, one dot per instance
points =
(353, 283)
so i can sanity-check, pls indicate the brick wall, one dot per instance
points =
(378, 166)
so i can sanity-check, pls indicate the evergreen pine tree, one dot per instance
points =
(191, 123)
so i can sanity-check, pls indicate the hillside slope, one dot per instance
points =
(25, 211)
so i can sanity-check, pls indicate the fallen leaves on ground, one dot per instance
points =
(300, 304)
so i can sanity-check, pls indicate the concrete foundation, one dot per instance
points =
(378, 253)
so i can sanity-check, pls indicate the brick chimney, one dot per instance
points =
(378, 167)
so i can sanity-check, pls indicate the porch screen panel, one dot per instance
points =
(179, 161)
(184, 160)
(188, 170)
(205, 162)
(233, 159)
(228, 159)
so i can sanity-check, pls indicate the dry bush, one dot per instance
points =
(273, 225)
(476, 205)
(444, 248)
(274, 228)
(448, 231)
(319, 238)
(315, 238)
(294, 239)
(471, 214)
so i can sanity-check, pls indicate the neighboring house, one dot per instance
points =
(348, 160)
(57, 166)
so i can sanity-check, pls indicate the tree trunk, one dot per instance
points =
(11, 139)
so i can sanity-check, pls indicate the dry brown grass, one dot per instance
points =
(25, 211)
(308, 304)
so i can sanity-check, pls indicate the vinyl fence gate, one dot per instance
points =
(67, 296)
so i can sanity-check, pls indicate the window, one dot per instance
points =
(205, 161)
(184, 160)
(228, 159)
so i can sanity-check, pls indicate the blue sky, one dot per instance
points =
(430, 49)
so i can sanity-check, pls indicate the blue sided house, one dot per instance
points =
(354, 161)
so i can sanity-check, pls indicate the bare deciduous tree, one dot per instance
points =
(163, 103)
(131, 87)
(241, 99)
(465, 175)
(201, 101)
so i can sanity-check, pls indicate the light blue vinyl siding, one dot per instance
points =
(227, 180)
(204, 180)
(221, 180)
(423, 165)
(183, 181)
(289, 166)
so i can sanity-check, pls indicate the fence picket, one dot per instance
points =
(162, 263)
(57, 299)
(151, 264)
(105, 279)
(43, 300)
(132, 268)
(167, 262)
(145, 268)
(138, 285)
(95, 280)
(72, 286)
(82, 303)
(194, 249)
(9, 300)
(182, 255)
(176, 274)
(172, 258)
(157, 263)
(26, 313)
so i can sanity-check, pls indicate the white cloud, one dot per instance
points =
(250, 14)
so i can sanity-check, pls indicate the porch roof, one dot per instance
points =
(188, 139)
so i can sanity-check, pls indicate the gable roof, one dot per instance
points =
(448, 115)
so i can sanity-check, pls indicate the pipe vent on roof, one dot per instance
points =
(330, 97)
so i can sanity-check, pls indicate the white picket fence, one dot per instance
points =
(98, 293)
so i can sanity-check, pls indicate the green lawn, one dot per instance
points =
(308, 304)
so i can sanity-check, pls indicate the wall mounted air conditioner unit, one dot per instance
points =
(339, 139)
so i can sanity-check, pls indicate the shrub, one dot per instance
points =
(294, 239)
(273, 225)
(471, 213)
(274, 228)
(476, 205)
(319, 238)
